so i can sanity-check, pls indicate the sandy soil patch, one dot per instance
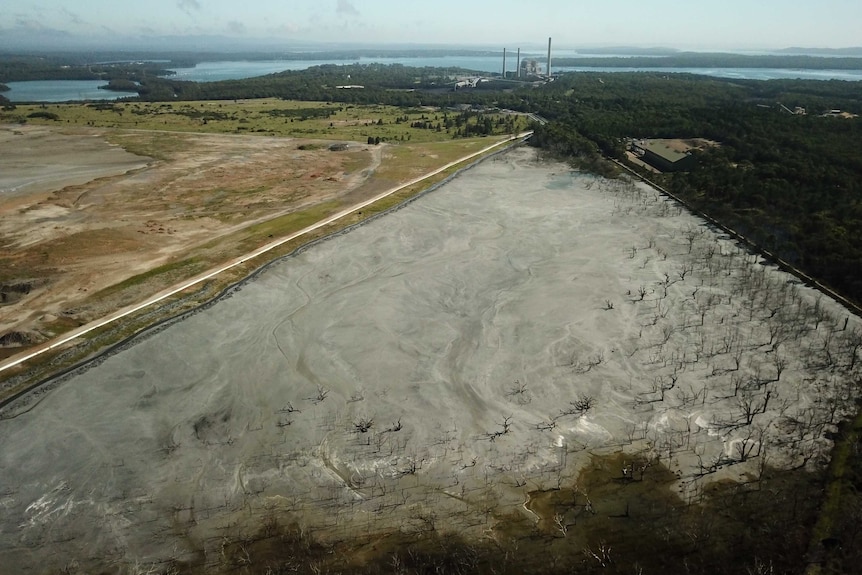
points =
(38, 159)
(687, 144)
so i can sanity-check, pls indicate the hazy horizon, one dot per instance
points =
(272, 24)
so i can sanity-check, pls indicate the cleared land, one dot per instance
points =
(72, 239)
(446, 369)
(94, 219)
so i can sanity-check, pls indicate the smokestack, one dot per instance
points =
(518, 64)
(504, 63)
(549, 56)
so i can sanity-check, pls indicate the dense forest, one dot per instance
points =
(19, 68)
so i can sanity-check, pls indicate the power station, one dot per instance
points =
(529, 67)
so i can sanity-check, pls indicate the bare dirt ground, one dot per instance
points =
(685, 144)
(435, 371)
(79, 214)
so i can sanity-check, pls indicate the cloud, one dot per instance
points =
(189, 6)
(236, 27)
(346, 8)
(26, 23)
(71, 16)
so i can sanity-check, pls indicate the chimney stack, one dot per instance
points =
(504, 63)
(518, 64)
(549, 56)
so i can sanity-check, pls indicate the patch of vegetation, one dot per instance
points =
(836, 543)
(274, 117)
(157, 145)
(44, 115)
(173, 271)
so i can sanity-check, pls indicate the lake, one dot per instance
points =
(60, 91)
(66, 90)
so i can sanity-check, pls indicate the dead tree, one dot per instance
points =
(363, 425)
(854, 343)
(684, 271)
(560, 523)
(750, 444)
(578, 407)
(602, 554)
(779, 363)
(506, 425)
(322, 392)
(691, 234)
(394, 427)
(750, 405)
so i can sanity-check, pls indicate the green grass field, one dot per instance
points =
(269, 116)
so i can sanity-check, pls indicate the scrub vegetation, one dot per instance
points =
(274, 117)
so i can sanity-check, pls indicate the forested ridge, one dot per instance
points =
(27, 67)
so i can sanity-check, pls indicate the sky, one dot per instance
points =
(696, 25)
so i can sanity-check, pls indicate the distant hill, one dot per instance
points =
(629, 51)
(717, 60)
(857, 51)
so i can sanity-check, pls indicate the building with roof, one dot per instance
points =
(663, 157)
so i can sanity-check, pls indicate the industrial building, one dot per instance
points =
(530, 67)
(662, 157)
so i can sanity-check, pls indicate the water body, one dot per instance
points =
(61, 91)
(67, 90)
(235, 70)
(738, 73)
